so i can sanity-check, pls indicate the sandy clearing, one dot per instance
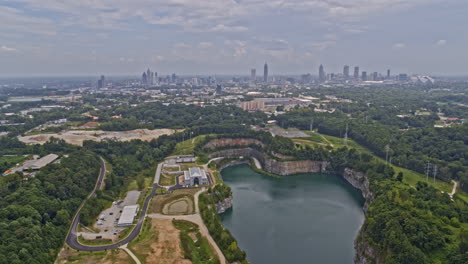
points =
(166, 250)
(76, 137)
(180, 206)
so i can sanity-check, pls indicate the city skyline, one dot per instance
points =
(56, 38)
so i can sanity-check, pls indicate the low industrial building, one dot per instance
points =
(42, 162)
(185, 159)
(128, 215)
(195, 176)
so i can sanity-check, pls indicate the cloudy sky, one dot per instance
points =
(114, 37)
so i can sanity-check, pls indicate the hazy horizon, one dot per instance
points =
(219, 37)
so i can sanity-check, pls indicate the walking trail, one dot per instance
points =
(130, 253)
(454, 190)
(195, 218)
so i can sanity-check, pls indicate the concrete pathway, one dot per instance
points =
(157, 175)
(454, 189)
(130, 253)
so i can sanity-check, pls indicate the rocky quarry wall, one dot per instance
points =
(282, 168)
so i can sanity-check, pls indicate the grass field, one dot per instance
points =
(114, 256)
(186, 147)
(141, 246)
(158, 202)
(410, 177)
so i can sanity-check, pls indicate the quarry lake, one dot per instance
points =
(307, 218)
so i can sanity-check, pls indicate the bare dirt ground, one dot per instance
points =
(166, 249)
(76, 137)
(116, 256)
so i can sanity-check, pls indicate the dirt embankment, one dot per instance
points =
(76, 137)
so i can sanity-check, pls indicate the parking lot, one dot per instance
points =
(108, 219)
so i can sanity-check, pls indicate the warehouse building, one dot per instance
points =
(128, 215)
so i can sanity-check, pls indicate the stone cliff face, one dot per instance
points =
(224, 142)
(282, 168)
(359, 181)
(224, 205)
(365, 253)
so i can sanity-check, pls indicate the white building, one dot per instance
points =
(128, 215)
(195, 176)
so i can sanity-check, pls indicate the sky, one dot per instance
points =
(125, 37)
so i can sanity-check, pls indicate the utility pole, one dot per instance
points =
(312, 125)
(427, 171)
(387, 149)
(346, 136)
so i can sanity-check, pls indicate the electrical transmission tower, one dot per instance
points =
(428, 168)
(435, 172)
(346, 136)
(387, 149)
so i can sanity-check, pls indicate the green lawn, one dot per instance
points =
(186, 147)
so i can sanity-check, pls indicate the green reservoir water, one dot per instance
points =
(307, 218)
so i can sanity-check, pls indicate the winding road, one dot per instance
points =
(72, 237)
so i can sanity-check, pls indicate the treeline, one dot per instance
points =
(223, 238)
(408, 225)
(157, 115)
(445, 147)
(271, 144)
(405, 225)
(36, 212)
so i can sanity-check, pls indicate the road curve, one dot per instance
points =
(72, 237)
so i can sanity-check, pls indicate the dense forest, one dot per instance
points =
(35, 213)
(445, 147)
(157, 115)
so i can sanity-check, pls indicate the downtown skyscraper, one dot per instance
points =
(322, 75)
(356, 72)
(265, 73)
(346, 71)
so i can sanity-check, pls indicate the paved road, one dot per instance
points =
(72, 237)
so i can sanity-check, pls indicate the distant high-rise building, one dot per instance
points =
(346, 71)
(356, 72)
(375, 76)
(174, 78)
(253, 75)
(101, 82)
(403, 77)
(388, 74)
(265, 73)
(322, 75)
(364, 76)
(144, 79)
(219, 90)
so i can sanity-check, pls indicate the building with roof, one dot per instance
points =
(195, 176)
(40, 163)
(128, 215)
(185, 159)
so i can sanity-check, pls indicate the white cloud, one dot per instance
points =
(4, 48)
(322, 45)
(399, 45)
(224, 28)
(441, 42)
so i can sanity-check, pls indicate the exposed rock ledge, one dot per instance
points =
(224, 205)
(365, 253)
